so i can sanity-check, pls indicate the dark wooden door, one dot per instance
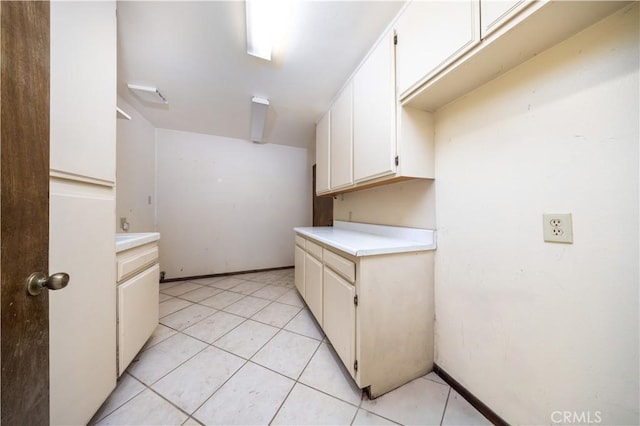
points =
(24, 205)
(322, 206)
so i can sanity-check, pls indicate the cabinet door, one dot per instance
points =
(322, 154)
(313, 286)
(494, 13)
(83, 90)
(299, 269)
(137, 314)
(339, 317)
(342, 140)
(431, 35)
(374, 114)
(82, 316)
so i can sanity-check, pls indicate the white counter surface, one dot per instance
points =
(128, 241)
(361, 239)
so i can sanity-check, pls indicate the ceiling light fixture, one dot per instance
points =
(148, 93)
(259, 107)
(266, 21)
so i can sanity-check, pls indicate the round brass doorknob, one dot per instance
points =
(38, 280)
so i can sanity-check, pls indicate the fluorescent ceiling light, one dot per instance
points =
(148, 93)
(266, 22)
(259, 107)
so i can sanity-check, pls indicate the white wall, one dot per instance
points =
(228, 205)
(135, 171)
(532, 327)
(410, 203)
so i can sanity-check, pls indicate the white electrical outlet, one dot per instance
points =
(557, 228)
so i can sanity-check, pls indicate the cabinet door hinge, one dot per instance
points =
(355, 365)
(355, 300)
(397, 160)
(395, 39)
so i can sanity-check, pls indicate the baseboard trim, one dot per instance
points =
(473, 400)
(224, 274)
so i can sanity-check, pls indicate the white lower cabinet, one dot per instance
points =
(138, 274)
(377, 311)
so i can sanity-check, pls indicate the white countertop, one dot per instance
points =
(361, 239)
(128, 241)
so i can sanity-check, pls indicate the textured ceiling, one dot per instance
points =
(195, 53)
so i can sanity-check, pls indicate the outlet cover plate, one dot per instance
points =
(557, 228)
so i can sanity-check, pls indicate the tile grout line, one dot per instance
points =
(446, 404)
(215, 311)
(173, 404)
(189, 415)
(235, 292)
(170, 371)
(245, 319)
(122, 404)
(359, 406)
(202, 341)
(231, 313)
(294, 385)
(245, 363)
(156, 381)
(297, 381)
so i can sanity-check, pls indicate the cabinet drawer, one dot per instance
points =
(134, 260)
(314, 249)
(300, 241)
(342, 266)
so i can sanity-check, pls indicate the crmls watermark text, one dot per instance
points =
(576, 417)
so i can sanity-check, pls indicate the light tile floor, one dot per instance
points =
(245, 350)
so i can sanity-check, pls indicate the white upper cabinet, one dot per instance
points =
(374, 113)
(440, 57)
(83, 95)
(494, 13)
(341, 141)
(373, 140)
(431, 35)
(322, 154)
